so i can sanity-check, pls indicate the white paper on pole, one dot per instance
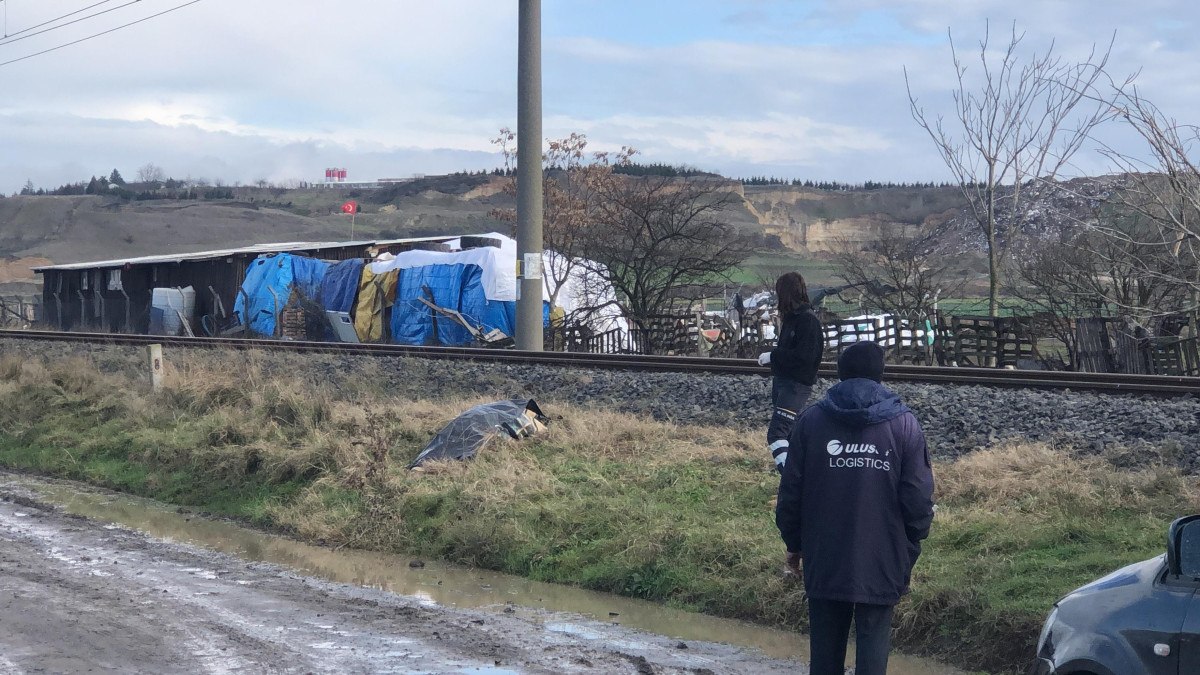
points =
(533, 266)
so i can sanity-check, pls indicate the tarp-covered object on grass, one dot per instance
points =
(269, 282)
(478, 283)
(463, 437)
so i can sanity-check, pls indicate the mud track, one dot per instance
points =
(79, 596)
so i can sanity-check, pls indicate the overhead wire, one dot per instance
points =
(60, 18)
(13, 39)
(96, 35)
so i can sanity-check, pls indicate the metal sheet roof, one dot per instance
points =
(282, 247)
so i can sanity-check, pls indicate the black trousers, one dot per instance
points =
(788, 398)
(830, 630)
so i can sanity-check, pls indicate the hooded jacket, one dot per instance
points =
(798, 351)
(856, 494)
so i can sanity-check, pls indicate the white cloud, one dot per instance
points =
(777, 139)
(279, 89)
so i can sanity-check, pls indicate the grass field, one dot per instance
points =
(761, 269)
(680, 515)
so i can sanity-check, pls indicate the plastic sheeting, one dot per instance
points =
(265, 291)
(476, 283)
(583, 289)
(308, 275)
(268, 287)
(578, 290)
(376, 292)
(458, 287)
(339, 288)
(498, 277)
(471, 431)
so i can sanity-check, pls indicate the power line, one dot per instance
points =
(7, 34)
(110, 30)
(64, 25)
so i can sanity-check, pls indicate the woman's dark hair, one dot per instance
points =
(791, 292)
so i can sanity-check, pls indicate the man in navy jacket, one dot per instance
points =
(855, 501)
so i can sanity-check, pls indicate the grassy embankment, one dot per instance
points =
(637, 507)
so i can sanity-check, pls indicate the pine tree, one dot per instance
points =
(115, 178)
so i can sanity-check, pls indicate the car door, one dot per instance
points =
(1184, 538)
(1189, 639)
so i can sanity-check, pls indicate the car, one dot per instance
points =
(1144, 618)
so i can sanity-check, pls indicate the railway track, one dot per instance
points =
(1159, 385)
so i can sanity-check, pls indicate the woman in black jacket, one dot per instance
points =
(793, 362)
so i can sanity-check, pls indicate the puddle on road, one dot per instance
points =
(437, 583)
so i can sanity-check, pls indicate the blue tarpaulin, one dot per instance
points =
(340, 285)
(458, 287)
(265, 291)
(269, 282)
(478, 283)
(308, 275)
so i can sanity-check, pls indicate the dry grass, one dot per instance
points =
(622, 437)
(999, 481)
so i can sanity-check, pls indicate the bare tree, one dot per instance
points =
(572, 180)
(655, 238)
(1022, 120)
(1162, 196)
(647, 239)
(1089, 272)
(898, 274)
(150, 173)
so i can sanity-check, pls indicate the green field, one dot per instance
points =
(761, 269)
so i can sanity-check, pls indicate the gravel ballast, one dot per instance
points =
(1129, 430)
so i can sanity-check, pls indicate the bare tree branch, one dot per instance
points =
(1021, 120)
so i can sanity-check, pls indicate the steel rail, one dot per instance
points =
(1161, 385)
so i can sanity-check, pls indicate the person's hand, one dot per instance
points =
(764, 358)
(793, 563)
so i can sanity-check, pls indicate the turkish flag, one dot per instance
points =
(350, 207)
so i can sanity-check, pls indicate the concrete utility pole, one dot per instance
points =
(529, 176)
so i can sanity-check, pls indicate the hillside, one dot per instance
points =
(39, 229)
(815, 220)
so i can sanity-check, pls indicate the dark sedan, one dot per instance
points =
(1144, 618)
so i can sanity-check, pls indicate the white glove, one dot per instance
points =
(764, 358)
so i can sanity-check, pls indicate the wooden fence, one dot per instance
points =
(1107, 345)
(18, 312)
(1102, 344)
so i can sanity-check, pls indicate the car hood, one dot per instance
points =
(1141, 572)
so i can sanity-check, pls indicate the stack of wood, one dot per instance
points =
(292, 324)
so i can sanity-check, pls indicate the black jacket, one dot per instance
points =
(856, 495)
(798, 350)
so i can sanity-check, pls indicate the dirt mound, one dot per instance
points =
(15, 270)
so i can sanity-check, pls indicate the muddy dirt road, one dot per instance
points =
(80, 596)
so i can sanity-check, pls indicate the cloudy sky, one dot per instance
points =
(241, 90)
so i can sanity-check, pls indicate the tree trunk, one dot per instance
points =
(993, 268)
(993, 280)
